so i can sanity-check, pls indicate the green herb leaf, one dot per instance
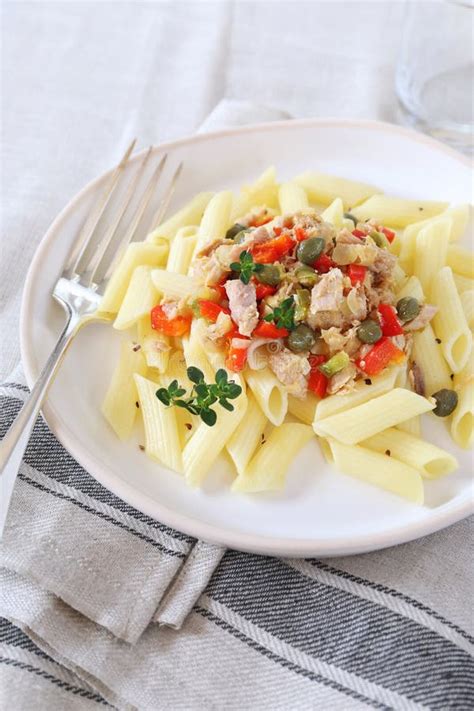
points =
(209, 417)
(195, 375)
(283, 316)
(246, 267)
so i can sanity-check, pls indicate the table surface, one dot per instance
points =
(80, 78)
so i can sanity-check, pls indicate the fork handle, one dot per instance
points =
(14, 444)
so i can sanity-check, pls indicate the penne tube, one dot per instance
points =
(292, 198)
(247, 436)
(190, 214)
(182, 250)
(263, 192)
(363, 421)
(269, 466)
(335, 214)
(428, 356)
(397, 212)
(322, 188)
(412, 288)
(305, 409)
(462, 421)
(364, 390)
(467, 303)
(161, 432)
(379, 470)
(215, 221)
(450, 323)
(174, 286)
(399, 277)
(431, 251)
(411, 426)
(270, 394)
(431, 461)
(463, 283)
(155, 345)
(136, 254)
(119, 405)
(140, 297)
(461, 261)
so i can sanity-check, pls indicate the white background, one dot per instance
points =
(79, 78)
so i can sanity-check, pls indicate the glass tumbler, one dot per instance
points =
(434, 77)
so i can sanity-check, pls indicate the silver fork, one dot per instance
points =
(79, 291)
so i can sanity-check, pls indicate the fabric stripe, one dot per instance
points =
(151, 535)
(402, 605)
(336, 627)
(329, 674)
(46, 454)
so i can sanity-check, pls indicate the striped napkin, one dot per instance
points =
(102, 605)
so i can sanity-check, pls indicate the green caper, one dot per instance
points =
(234, 230)
(408, 308)
(301, 339)
(446, 402)
(270, 274)
(350, 216)
(369, 331)
(380, 239)
(309, 250)
(306, 276)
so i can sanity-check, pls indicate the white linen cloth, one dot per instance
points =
(390, 629)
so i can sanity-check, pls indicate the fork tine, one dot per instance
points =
(89, 271)
(127, 238)
(164, 203)
(91, 223)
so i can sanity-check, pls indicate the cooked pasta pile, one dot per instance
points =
(317, 307)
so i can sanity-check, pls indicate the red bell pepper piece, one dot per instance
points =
(277, 231)
(273, 250)
(382, 354)
(300, 234)
(222, 293)
(317, 381)
(264, 329)
(263, 290)
(389, 234)
(356, 273)
(358, 233)
(210, 310)
(260, 220)
(323, 264)
(389, 322)
(236, 359)
(177, 326)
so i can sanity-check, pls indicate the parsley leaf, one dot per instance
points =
(203, 394)
(246, 267)
(283, 316)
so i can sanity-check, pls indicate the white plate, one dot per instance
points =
(321, 512)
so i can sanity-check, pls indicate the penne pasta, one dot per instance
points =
(461, 261)
(268, 467)
(324, 189)
(467, 303)
(175, 286)
(292, 198)
(182, 250)
(305, 409)
(450, 323)
(411, 426)
(247, 436)
(155, 346)
(397, 212)
(335, 214)
(362, 392)
(428, 356)
(119, 405)
(136, 254)
(269, 393)
(412, 288)
(400, 277)
(140, 297)
(431, 251)
(216, 219)
(363, 421)
(207, 443)
(161, 431)
(190, 214)
(379, 470)
(463, 283)
(195, 355)
(263, 192)
(431, 461)
(462, 421)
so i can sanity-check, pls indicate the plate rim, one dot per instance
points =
(267, 545)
